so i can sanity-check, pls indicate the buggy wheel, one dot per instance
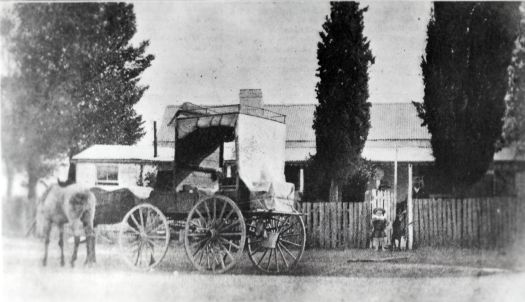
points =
(215, 234)
(144, 236)
(276, 242)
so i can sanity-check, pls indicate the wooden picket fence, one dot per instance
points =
(478, 222)
(385, 200)
(345, 224)
(337, 225)
(473, 223)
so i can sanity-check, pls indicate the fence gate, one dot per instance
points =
(385, 200)
(345, 224)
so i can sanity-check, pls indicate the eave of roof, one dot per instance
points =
(123, 153)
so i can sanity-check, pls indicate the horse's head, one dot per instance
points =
(78, 203)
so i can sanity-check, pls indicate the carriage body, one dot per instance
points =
(250, 205)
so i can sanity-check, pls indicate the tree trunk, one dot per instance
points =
(31, 186)
(335, 192)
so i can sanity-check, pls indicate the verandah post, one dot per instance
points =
(410, 209)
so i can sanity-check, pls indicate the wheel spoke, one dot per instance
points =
(207, 210)
(223, 266)
(132, 229)
(152, 243)
(152, 256)
(289, 242)
(154, 225)
(230, 243)
(276, 263)
(141, 218)
(231, 234)
(262, 257)
(227, 251)
(290, 235)
(157, 237)
(219, 238)
(198, 226)
(229, 226)
(202, 245)
(282, 256)
(139, 252)
(222, 210)
(197, 234)
(288, 228)
(200, 241)
(200, 215)
(137, 245)
(136, 222)
(213, 262)
(143, 251)
(214, 209)
(229, 214)
(202, 253)
(269, 260)
(287, 250)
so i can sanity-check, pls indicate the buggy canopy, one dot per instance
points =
(259, 136)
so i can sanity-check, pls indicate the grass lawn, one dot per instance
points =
(22, 254)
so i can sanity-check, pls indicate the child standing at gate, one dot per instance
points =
(379, 224)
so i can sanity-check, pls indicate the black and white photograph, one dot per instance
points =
(249, 150)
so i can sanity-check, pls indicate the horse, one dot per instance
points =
(70, 204)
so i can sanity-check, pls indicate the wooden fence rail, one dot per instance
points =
(475, 222)
(337, 225)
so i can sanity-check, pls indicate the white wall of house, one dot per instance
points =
(129, 174)
(86, 174)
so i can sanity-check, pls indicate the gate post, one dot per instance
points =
(410, 209)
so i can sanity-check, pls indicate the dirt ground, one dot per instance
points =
(425, 274)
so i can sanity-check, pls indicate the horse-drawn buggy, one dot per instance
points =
(249, 205)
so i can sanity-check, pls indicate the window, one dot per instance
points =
(107, 175)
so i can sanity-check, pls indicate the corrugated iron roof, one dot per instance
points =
(299, 120)
(389, 121)
(396, 121)
(392, 124)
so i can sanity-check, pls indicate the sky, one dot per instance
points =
(207, 51)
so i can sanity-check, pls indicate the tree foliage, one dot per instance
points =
(514, 121)
(342, 117)
(465, 75)
(74, 80)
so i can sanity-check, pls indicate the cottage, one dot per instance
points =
(396, 139)
(115, 166)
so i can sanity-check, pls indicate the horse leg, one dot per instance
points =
(90, 242)
(75, 250)
(61, 243)
(76, 235)
(47, 232)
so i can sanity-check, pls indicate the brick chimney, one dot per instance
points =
(251, 97)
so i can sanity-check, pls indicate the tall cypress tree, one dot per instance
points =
(468, 52)
(514, 121)
(342, 117)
